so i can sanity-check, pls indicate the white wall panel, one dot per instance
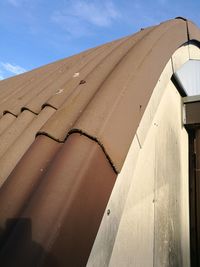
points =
(154, 229)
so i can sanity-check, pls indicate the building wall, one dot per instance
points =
(154, 228)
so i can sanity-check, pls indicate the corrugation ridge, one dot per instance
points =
(62, 81)
(24, 108)
(49, 136)
(6, 121)
(47, 105)
(95, 87)
(6, 112)
(21, 143)
(14, 131)
(15, 101)
(6, 191)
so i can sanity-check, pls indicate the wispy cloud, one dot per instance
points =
(15, 69)
(8, 69)
(78, 18)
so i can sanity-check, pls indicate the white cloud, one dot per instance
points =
(10, 68)
(78, 18)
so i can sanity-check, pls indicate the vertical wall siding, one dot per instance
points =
(154, 228)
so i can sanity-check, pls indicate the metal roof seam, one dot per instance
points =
(73, 131)
(50, 136)
(24, 108)
(7, 111)
(98, 142)
(187, 29)
(48, 105)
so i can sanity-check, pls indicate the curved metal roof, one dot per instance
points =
(65, 132)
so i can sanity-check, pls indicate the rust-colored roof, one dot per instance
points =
(65, 132)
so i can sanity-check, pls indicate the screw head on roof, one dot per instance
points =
(82, 82)
(108, 212)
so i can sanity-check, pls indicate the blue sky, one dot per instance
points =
(36, 32)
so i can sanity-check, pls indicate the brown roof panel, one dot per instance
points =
(15, 130)
(65, 210)
(193, 31)
(6, 121)
(25, 179)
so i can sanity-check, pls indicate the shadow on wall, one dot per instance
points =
(18, 249)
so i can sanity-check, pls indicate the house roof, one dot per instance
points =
(65, 132)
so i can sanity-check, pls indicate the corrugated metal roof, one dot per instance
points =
(65, 131)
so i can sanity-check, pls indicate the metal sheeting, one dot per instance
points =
(58, 210)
